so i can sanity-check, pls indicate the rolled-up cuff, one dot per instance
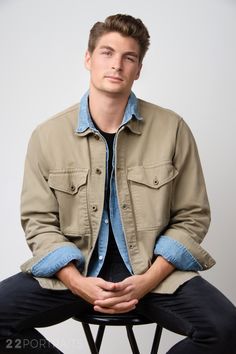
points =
(177, 254)
(57, 259)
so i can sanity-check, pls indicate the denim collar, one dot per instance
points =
(84, 117)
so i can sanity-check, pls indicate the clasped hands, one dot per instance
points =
(112, 298)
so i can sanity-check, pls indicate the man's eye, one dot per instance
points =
(106, 52)
(131, 59)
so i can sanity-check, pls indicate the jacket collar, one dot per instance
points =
(131, 116)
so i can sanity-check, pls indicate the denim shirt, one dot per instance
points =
(172, 250)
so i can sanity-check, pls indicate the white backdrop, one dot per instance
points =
(190, 68)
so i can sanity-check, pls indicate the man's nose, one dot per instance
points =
(117, 64)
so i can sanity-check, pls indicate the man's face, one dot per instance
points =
(114, 64)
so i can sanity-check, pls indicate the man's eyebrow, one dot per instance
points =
(106, 47)
(134, 54)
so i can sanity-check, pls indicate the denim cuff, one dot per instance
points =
(176, 253)
(57, 259)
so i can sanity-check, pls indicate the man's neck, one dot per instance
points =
(107, 110)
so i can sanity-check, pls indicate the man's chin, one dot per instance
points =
(117, 91)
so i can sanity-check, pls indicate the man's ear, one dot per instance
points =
(87, 60)
(139, 71)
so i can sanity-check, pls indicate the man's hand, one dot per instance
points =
(93, 289)
(135, 287)
(113, 298)
(125, 292)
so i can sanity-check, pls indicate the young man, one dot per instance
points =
(114, 208)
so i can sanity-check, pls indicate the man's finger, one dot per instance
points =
(113, 301)
(122, 307)
(115, 294)
(107, 285)
(121, 286)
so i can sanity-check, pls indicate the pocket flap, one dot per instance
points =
(68, 182)
(152, 176)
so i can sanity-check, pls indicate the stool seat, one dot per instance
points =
(127, 320)
(113, 320)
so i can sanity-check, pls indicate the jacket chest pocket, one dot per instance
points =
(70, 189)
(151, 193)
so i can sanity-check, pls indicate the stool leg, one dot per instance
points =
(156, 339)
(99, 336)
(132, 340)
(90, 339)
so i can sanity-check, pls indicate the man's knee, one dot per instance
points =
(220, 334)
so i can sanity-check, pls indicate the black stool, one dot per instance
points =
(127, 320)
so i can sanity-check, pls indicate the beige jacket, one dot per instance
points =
(160, 187)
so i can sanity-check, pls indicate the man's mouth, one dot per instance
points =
(113, 78)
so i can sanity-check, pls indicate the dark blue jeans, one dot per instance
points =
(197, 310)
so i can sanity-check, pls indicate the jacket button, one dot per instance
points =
(124, 206)
(94, 208)
(155, 181)
(98, 171)
(97, 137)
(72, 188)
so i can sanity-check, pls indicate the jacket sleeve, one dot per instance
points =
(40, 217)
(189, 211)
